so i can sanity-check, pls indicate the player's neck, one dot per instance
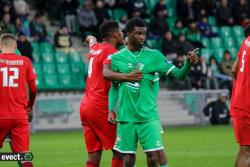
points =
(111, 42)
(8, 50)
(133, 48)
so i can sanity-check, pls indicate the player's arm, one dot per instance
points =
(181, 73)
(235, 67)
(113, 96)
(32, 98)
(116, 76)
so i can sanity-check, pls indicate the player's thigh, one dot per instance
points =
(5, 126)
(243, 126)
(149, 135)
(126, 138)
(20, 136)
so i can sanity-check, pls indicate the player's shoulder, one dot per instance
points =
(151, 51)
(119, 53)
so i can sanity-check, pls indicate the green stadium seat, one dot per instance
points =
(215, 29)
(229, 42)
(150, 4)
(61, 57)
(48, 58)
(118, 13)
(233, 52)
(212, 21)
(153, 44)
(216, 42)
(171, 12)
(218, 54)
(46, 47)
(206, 42)
(171, 22)
(38, 68)
(65, 81)
(36, 57)
(51, 82)
(193, 37)
(36, 47)
(75, 57)
(63, 68)
(225, 31)
(77, 68)
(40, 82)
(49, 69)
(238, 31)
(239, 41)
(206, 53)
(54, 107)
(79, 82)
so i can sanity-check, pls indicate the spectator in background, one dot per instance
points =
(137, 8)
(38, 29)
(7, 9)
(69, 10)
(62, 39)
(241, 13)
(218, 111)
(193, 34)
(183, 46)
(121, 4)
(21, 27)
(169, 46)
(22, 9)
(6, 25)
(206, 28)
(212, 73)
(161, 6)
(178, 28)
(101, 13)
(227, 64)
(24, 46)
(200, 8)
(122, 22)
(187, 11)
(198, 74)
(87, 18)
(110, 4)
(225, 14)
(158, 25)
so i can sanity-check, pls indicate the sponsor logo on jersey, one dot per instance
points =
(95, 52)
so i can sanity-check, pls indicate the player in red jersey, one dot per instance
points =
(100, 135)
(16, 110)
(241, 102)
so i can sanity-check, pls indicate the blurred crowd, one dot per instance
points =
(82, 17)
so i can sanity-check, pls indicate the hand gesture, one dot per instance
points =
(192, 57)
(111, 118)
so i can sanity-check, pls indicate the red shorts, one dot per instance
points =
(98, 133)
(18, 130)
(242, 127)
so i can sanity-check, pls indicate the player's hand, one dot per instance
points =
(90, 39)
(192, 57)
(111, 118)
(30, 114)
(135, 75)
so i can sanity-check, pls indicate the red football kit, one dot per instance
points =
(241, 98)
(15, 72)
(98, 133)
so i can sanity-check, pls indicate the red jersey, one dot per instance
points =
(15, 72)
(97, 88)
(241, 99)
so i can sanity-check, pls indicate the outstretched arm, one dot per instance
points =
(113, 96)
(235, 67)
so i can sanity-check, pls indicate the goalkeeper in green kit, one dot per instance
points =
(137, 114)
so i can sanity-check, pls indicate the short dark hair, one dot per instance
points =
(247, 30)
(107, 28)
(134, 22)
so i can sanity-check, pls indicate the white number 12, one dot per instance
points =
(8, 81)
(243, 61)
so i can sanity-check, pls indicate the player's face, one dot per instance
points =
(119, 36)
(138, 36)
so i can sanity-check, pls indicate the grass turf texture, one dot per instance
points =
(209, 146)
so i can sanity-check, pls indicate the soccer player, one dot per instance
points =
(16, 72)
(241, 102)
(137, 114)
(99, 135)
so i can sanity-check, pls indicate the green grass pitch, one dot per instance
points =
(208, 146)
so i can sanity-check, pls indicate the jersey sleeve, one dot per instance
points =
(160, 64)
(31, 75)
(107, 55)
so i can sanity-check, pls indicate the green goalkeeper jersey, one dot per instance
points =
(137, 100)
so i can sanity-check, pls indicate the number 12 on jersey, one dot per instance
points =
(8, 80)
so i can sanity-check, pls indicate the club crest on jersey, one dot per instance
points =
(130, 65)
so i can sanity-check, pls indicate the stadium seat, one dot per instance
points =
(218, 54)
(153, 44)
(150, 4)
(49, 69)
(36, 57)
(233, 52)
(216, 43)
(212, 21)
(51, 82)
(225, 31)
(206, 42)
(79, 82)
(38, 68)
(171, 12)
(215, 29)
(193, 37)
(239, 41)
(171, 22)
(77, 68)
(63, 68)
(206, 53)
(229, 42)
(48, 58)
(40, 82)
(36, 47)
(118, 13)
(75, 57)
(46, 47)
(65, 81)
(61, 57)
(238, 31)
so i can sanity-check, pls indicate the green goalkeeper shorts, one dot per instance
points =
(148, 134)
